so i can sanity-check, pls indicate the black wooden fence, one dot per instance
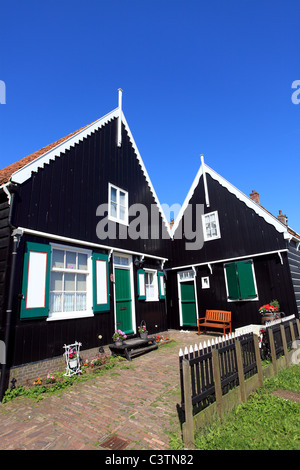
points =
(200, 361)
(201, 367)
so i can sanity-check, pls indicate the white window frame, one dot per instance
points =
(89, 287)
(155, 297)
(206, 236)
(117, 218)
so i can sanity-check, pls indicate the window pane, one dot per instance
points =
(56, 281)
(55, 302)
(113, 195)
(122, 198)
(81, 282)
(70, 260)
(80, 302)
(82, 261)
(69, 282)
(58, 259)
(149, 278)
(69, 302)
(149, 291)
(122, 213)
(113, 209)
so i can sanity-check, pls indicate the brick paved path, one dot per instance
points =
(135, 401)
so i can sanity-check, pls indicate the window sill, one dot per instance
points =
(69, 316)
(212, 238)
(118, 221)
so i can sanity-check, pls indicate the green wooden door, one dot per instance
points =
(188, 303)
(123, 300)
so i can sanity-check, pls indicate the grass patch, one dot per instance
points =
(264, 422)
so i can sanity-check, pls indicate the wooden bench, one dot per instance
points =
(215, 319)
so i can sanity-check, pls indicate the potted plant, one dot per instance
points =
(269, 311)
(143, 330)
(73, 358)
(118, 337)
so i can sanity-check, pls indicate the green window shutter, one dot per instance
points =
(246, 281)
(101, 299)
(161, 285)
(36, 278)
(232, 281)
(141, 283)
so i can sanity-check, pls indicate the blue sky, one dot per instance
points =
(210, 77)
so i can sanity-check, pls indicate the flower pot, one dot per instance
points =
(73, 363)
(144, 335)
(268, 316)
(118, 343)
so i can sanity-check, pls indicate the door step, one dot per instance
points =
(133, 347)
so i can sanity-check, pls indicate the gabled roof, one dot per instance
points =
(21, 171)
(205, 169)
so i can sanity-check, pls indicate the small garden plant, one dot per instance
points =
(55, 382)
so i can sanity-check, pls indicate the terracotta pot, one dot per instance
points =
(267, 316)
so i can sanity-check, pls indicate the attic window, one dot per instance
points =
(118, 204)
(211, 227)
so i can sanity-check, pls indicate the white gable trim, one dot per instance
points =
(140, 160)
(269, 218)
(187, 200)
(25, 172)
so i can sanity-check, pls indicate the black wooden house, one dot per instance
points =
(85, 248)
(78, 259)
(240, 263)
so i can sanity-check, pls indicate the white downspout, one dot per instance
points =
(120, 118)
(204, 181)
(5, 189)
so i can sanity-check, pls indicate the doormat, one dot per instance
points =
(114, 442)
(287, 395)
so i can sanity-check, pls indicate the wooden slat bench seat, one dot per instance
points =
(133, 347)
(215, 319)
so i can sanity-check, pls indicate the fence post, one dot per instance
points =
(292, 332)
(258, 361)
(298, 326)
(240, 368)
(188, 434)
(273, 350)
(217, 380)
(284, 344)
